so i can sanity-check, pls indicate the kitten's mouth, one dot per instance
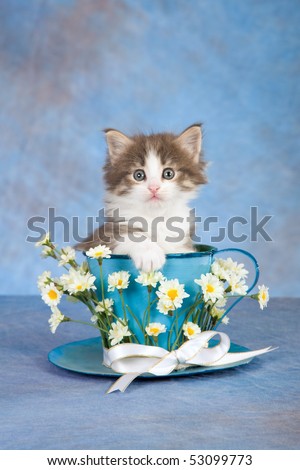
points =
(154, 198)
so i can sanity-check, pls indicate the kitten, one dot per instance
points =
(149, 180)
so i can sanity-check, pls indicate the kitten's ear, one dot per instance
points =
(117, 143)
(191, 140)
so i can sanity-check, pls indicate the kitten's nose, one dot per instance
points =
(153, 188)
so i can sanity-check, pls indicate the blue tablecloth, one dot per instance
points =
(255, 406)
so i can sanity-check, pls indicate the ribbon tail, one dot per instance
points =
(123, 382)
(231, 358)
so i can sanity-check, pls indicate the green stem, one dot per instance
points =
(147, 313)
(153, 302)
(170, 335)
(149, 306)
(101, 279)
(123, 305)
(135, 318)
(124, 323)
(176, 340)
(94, 297)
(191, 311)
(93, 312)
(132, 334)
(199, 314)
(237, 295)
(86, 323)
(198, 300)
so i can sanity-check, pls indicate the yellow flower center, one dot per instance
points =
(120, 282)
(210, 288)
(172, 294)
(190, 331)
(154, 330)
(52, 294)
(263, 296)
(98, 254)
(79, 287)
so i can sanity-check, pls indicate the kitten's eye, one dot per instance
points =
(168, 174)
(139, 175)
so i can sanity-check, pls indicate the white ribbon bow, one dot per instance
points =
(133, 360)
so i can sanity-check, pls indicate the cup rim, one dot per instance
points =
(201, 250)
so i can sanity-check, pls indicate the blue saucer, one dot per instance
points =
(86, 356)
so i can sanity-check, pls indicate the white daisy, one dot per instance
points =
(217, 268)
(217, 309)
(67, 254)
(84, 267)
(50, 294)
(237, 285)
(165, 306)
(100, 251)
(263, 296)
(117, 332)
(150, 279)
(66, 279)
(172, 291)
(44, 240)
(155, 329)
(212, 287)
(56, 318)
(226, 268)
(43, 279)
(105, 305)
(191, 330)
(46, 251)
(238, 269)
(76, 281)
(221, 303)
(118, 280)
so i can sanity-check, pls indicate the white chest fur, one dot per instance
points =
(168, 225)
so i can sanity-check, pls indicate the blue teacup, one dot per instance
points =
(182, 266)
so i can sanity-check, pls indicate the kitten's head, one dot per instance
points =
(155, 169)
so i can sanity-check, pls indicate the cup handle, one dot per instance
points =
(249, 255)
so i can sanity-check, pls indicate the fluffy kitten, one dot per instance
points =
(149, 180)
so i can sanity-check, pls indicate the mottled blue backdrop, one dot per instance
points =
(70, 68)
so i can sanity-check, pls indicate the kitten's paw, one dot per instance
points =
(149, 259)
